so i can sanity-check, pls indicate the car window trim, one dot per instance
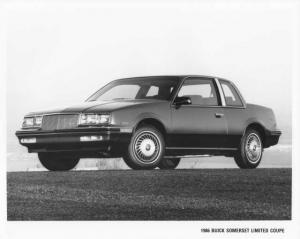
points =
(221, 92)
(218, 94)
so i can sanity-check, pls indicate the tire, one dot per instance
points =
(251, 150)
(169, 163)
(58, 162)
(146, 149)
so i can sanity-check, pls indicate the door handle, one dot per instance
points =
(219, 115)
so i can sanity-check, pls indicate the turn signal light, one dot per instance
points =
(91, 138)
(28, 140)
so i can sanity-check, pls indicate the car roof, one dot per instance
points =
(171, 76)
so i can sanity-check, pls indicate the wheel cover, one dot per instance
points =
(147, 147)
(253, 148)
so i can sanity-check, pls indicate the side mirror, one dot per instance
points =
(184, 100)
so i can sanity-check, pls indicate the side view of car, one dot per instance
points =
(153, 122)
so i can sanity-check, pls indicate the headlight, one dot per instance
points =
(38, 120)
(94, 119)
(32, 122)
(28, 122)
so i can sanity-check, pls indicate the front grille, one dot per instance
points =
(59, 121)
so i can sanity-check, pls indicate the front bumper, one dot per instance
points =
(272, 138)
(109, 140)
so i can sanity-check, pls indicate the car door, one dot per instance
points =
(200, 124)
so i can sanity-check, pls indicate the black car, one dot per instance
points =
(153, 122)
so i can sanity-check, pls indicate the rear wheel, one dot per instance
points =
(251, 150)
(169, 163)
(58, 162)
(146, 149)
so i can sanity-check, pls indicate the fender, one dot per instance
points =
(146, 116)
(253, 121)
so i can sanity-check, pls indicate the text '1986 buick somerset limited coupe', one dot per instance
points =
(153, 122)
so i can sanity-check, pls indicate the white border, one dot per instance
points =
(146, 229)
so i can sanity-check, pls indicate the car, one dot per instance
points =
(153, 122)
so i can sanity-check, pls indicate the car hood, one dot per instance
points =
(95, 106)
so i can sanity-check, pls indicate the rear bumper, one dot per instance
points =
(110, 140)
(272, 138)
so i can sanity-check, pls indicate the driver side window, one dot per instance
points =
(201, 91)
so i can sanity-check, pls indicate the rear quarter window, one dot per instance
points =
(232, 98)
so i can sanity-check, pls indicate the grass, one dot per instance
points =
(203, 194)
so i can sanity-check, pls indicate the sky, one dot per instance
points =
(59, 54)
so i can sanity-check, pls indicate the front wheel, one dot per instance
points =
(58, 162)
(146, 149)
(250, 151)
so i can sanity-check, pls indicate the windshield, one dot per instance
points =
(159, 88)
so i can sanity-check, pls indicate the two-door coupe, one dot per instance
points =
(153, 122)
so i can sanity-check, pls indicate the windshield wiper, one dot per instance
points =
(121, 99)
